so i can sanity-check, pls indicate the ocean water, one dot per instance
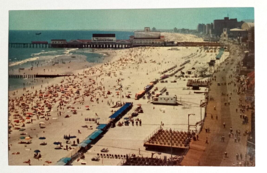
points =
(26, 57)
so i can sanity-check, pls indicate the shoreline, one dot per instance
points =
(106, 57)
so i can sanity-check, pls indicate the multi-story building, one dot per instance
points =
(204, 29)
(208, 29)
(200, 28)
(226, 23)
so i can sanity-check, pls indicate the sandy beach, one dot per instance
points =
(57, 107)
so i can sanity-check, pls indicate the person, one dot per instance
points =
(223, 124)
(222, 138)
(207, 141)
(225, 154)
(140, 122)
(237, 156)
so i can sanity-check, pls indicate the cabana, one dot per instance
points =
(85, 143)
(102, 126)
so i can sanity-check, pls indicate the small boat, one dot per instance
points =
(38, 33)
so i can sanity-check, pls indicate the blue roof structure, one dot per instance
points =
(220, 54)
(95, 134)
(101, 126)
(122, 109)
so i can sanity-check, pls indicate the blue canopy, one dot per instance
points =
(101, 126)
(122, 109)
(60, 163)
(63, 161)
(95, 134)
(85, 143)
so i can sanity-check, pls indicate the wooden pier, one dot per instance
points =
(115, 45)
(107, 45)
(28, 76)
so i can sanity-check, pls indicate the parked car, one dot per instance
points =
(104, 150)
(96, 158)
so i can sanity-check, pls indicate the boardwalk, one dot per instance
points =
(212, 154)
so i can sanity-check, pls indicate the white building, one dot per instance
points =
(168, 100)
(104, 38)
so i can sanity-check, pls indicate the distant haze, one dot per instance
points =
(130, 19)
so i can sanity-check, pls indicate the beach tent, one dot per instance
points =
(95, 134)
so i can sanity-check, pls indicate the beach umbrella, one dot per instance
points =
(57, 143)
(42, 138)
(28, 118)
(37, 151)
(87, 106)
(22, 137)
(16, 121)
(29, 113)
(21, 129)
(27, 138)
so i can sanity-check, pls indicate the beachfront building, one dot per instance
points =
(147, 38)
(244, 35)
(221, 25)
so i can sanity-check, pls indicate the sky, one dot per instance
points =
(129, 19)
